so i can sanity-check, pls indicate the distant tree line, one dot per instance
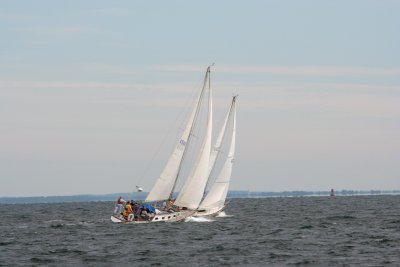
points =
(255, 194)
(231, 194)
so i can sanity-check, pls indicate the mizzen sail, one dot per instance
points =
(219, 190)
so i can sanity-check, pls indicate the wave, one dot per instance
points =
(222, 214)
(198, 219)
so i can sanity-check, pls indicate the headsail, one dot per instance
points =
(217, 147)
(217, 194)
(165, 183)
(192, 191)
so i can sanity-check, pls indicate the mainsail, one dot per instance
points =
(164, 186)
(217, 194)
(192, 191)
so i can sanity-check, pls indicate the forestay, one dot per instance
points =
(165, 183)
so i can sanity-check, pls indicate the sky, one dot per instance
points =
(92, 93)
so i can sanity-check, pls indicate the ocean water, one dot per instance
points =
(315, 231)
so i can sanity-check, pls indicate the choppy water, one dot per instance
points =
(323, 231)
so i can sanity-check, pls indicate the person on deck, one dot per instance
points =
(128, 210)
(136, 208)
(119, 205)
(144, 213)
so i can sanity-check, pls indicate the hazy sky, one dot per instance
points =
(90, 89)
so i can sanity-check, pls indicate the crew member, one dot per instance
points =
(119, 205)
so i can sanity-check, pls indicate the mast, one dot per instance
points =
(166, 182)
(191, 129)
(192, 191)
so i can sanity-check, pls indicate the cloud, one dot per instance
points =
(250, 88)
(62, 85)
(113, 11)
(110, 68)
(59, 30)
(355, 100)
(326, 71)
(9, 16)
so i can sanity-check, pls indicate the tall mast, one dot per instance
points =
(191, 193)
(206, 77)
(166, 182)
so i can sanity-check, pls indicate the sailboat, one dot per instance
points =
(159, 203)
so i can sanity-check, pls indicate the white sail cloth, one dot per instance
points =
(165, 182)
(216, 149)
(192, 191)
(219, 190)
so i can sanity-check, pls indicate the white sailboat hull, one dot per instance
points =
(162, 217)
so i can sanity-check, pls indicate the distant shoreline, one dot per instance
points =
(231, 194)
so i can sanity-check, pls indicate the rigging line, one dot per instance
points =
(189, 103)
(194, 95)
(190, 133)
(209, 118)
(195, 145)
(188, 100)
(152, 158)
(209, 88)
(173, 126)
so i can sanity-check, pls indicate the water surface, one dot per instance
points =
(328, 231)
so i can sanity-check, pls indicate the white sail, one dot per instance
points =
(216, 149)
(192, 191)
(166, 181)
(217, 194)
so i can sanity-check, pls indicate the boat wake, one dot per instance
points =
(222, 214)
(198, 219)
